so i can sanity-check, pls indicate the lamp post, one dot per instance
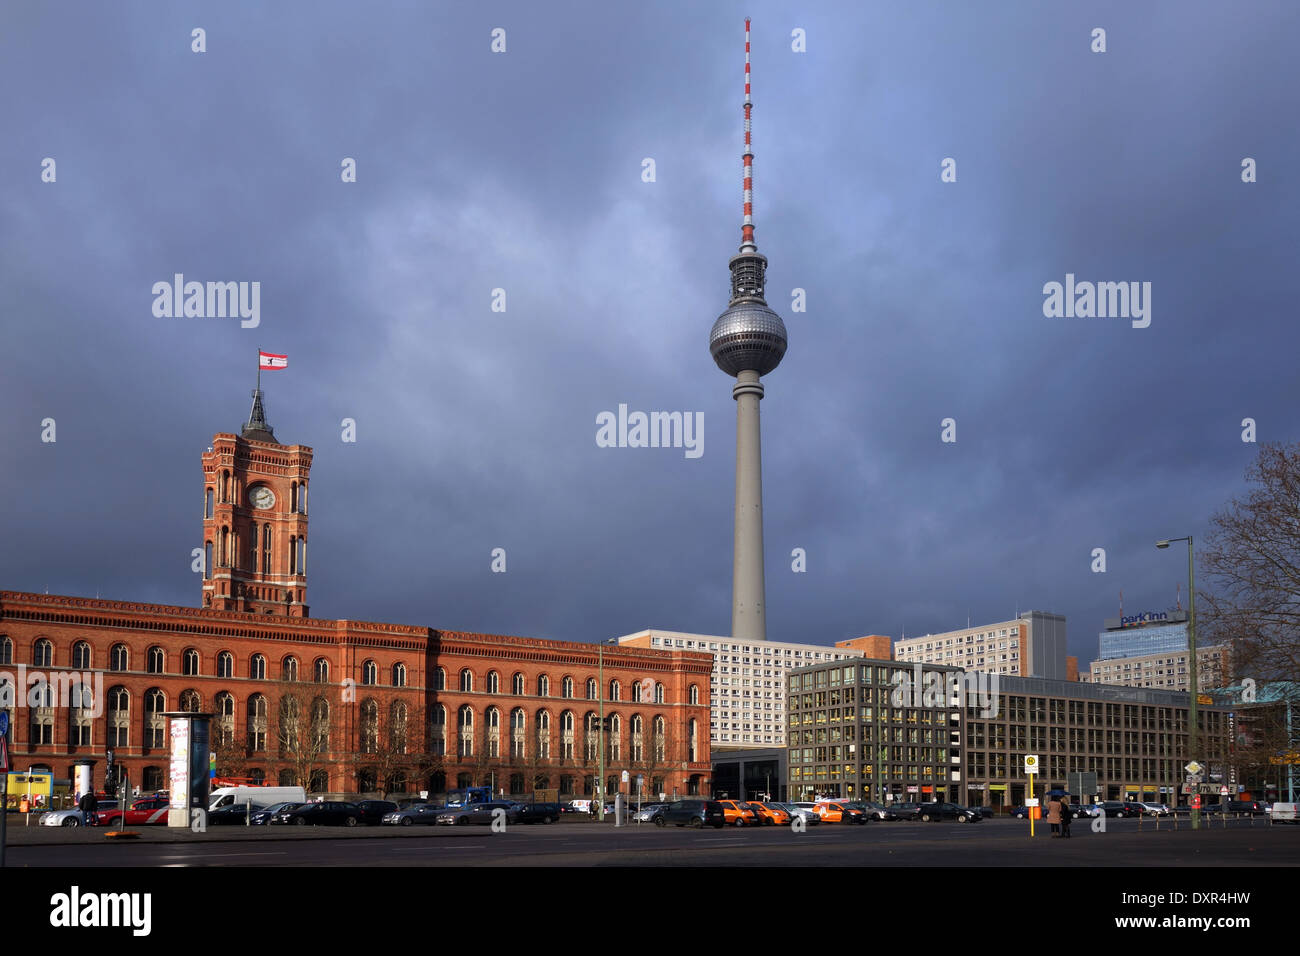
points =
(600, 695)
(1193, 736)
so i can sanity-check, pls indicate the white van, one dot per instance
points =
(257, 796)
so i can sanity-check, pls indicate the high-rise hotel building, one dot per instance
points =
(1032, 645)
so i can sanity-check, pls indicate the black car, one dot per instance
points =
(692, 813)
(480, 814)
(934, 812)
(237, 814)
(1120, 808)
(373, 811)
(325, 814)
(907, 811)
(268, 815)
(538, 812)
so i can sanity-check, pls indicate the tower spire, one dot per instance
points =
(747, 228)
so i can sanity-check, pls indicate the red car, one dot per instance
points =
(147, 811)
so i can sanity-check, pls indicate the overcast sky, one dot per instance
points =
(522, 170)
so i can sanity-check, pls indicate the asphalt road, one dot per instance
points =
(990, 843)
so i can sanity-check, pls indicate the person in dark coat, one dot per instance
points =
(1066, 815)
(87, 807)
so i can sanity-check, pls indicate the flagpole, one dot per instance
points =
(259, 369)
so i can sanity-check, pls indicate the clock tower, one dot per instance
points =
(255, 521)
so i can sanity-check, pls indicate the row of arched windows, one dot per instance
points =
(532, 737)
(641, 692)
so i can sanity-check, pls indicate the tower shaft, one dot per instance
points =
(748, 616)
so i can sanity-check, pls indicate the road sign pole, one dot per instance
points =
(4, 783)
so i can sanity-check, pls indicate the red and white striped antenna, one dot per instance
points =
(747, 230)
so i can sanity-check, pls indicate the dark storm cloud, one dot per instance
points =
(522, 171)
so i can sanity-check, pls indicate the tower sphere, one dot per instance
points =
(747, 337)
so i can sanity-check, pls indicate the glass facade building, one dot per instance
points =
(1141, 641)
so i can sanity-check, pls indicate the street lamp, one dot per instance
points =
(600, 695)
(1193, 742)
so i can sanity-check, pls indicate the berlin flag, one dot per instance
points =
(268, 360)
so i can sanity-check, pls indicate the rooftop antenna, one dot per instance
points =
(1178, 596)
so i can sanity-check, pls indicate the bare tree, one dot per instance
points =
(1253, 564)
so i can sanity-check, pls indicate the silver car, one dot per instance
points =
(804, 811)
(72, 818)
(426, 813)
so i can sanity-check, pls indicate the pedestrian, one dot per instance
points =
(1066, 815)
(87, 807)
(1054, 815)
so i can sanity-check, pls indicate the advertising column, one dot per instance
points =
(188, 775)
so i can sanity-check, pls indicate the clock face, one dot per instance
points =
(262, 497)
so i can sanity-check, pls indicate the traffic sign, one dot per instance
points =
(4, 722)
(1223, 791)
(1193, 767)
(1031, 763)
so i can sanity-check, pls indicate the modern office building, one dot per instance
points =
(1166, 670)
(850, 735)
(747, 689)
(868, 730)
(1032, 645)
(1139, 635)
(1133, 739)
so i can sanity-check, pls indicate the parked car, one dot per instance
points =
(984, 812)
(373, 811)
(1155, 809)
(72, 818)
(236, 814)
(833, 811)
(647, 812)
(804, 811)
(937, 811)
(480, 814)
(1020, 813)
(327, 813)
(739, 814)
(266, 815)
(1245, 806)
(1085, 810)
(147, 811)
(880, 812)
(770, 813)
(908, 811)
(692, 813)
(537, 812)
(1120, 808)
(426, 813)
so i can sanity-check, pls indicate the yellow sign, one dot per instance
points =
(1204, 699)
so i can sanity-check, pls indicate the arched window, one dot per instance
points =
(591, 736)
(636, 692)
(567, 691)
(397, 714)
(466, 680)
(155, 724)
(493, 732)
(252, 547)
(266, 549)
(369, 726)
(659, 742)
(225, 486)
(42, 653)
(207, 503)
(289, 729)
(207, 560)
(615, 691)
(543, 723)
(518, 732)
(117, 658)
(615, 735)
(465, 727)
(320, 725)
(257, 667)
(659, 693)
(591, 688)
(692, 727)
(695, 694)
(493, 683)
(289, 669)
(6, 651)
(369, 677)
(81, 656)
(225, 664)
(399, 675)
(438, 729)
(119, 716)
(440, 679)
(190, 662)
(321, 668)
(293, 554)
(224, 733)
(543, 686)
(225, 547)
(517, 685)
(257, 723)
(191, 702)
(155, 660)
(638, 742)
(566, 735)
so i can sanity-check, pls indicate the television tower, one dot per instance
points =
(748, 341)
